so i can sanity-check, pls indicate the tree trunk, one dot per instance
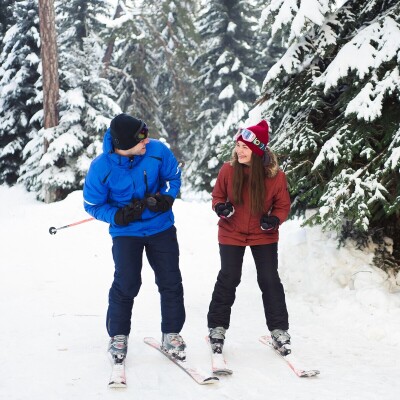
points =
(48, 50)
(110, 47)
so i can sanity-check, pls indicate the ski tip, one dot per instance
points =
(210, 379)
(265, 339)
(151, 341)
(117, 385)
(223, 372)
(309, 374)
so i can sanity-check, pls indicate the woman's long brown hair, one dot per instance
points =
(256, 182)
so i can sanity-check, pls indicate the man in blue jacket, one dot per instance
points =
(132, 186)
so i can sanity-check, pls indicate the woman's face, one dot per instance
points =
(243, 153)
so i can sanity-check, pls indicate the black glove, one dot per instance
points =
(269, 223)
(129, 213)
(224, 210)
(159, 202)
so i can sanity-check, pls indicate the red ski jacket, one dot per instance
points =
(243, 228)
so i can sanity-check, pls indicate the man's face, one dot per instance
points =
(137, 150)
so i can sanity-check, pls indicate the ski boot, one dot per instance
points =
(217, 338)
(174, 345)
(118, 347)
(281, 341)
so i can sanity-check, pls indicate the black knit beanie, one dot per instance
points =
(123, 131)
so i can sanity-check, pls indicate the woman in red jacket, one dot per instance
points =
(252, 199)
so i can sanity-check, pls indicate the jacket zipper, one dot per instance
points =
(145, 182)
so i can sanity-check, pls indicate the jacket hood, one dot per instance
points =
(272, 168)
(108, 146)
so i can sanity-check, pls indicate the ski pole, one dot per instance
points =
(54, 230)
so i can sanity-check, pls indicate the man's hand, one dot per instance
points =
(159, 202)
(133, 211)
(224, 210)
(269, 223)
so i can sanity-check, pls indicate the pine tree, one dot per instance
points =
(133, 68)
(86, 105)
(332, 101)
(228, 65)
(6, 19)
(171, 26)
(20, 87)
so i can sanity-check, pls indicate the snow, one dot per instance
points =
(289, 62)
(75, 97)
(231, 27)
(223, 58)
(394, 158)
(223, 71)
(329, 151)
(117, 23)
(234, 117)
(212, 162)
(309, 10)
(227, 92)
(368, 103)
(344, 313)
(369, 49)
(285, 14)
(300, 15)
(236, 65)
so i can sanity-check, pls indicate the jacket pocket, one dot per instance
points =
(227, 224)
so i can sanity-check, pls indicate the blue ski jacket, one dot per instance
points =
(114, 180)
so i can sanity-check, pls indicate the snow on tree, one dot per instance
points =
(6, 19)
(85, 108)
(333, 101)
(133, 70)
(175, 44)
(228, 65)
(20, 87)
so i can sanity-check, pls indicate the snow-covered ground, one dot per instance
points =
(344, 314)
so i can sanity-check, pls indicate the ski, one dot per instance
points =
(290, 360)
(218, 363)
(117, 378)
(199, 377)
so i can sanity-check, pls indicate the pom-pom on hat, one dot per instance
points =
(124, 131)
(256, 137)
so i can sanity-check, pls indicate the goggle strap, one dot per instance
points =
(140, 128)
(249, 137)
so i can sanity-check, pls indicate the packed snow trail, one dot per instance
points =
(53, 301)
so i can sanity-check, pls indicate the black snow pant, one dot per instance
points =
(273, 295)
(162, 252)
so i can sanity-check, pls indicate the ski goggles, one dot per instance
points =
(142, 133)
(251, 137)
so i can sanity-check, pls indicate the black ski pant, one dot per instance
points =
(273, 295)
(162, 252)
